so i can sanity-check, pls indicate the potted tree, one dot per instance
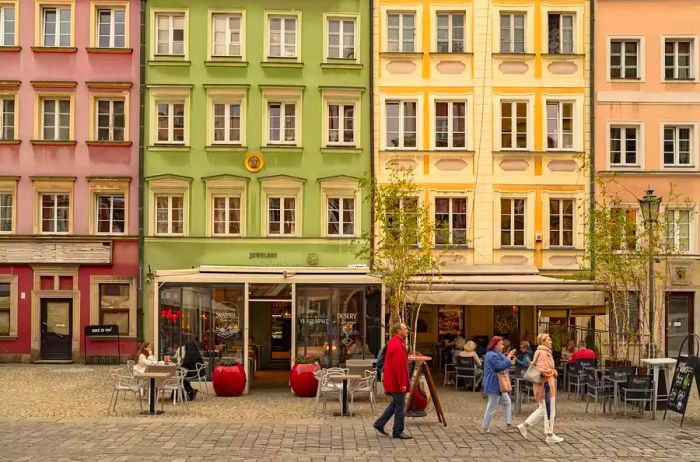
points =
(229, 378)
(302, 377)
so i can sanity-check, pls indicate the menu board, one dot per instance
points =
(682, 384)
(449, 321)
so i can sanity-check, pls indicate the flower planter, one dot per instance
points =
(303, 380)
(229, 380)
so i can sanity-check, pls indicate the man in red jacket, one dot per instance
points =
(396, 382)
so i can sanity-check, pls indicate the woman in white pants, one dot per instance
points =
(545, 392)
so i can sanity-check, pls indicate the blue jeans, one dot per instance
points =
(396, 408)
(504, 399)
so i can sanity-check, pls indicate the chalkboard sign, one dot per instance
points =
(102, 330)
(682, 384)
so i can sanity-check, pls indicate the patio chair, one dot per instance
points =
(365, 385)
(123, 381)
(467, 370)
(201, 376)
(326, 387)
(575, 380)
(638, 389)
(449, 372)
(174, 384)
(597, 389)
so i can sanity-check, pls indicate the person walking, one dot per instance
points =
(396, 383)
(495, 362)
(545, 392)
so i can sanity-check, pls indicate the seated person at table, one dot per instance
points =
(569, 350)
(189, 362)
(524, 356)
(469, 351)
(480, 347)
(146, 358)
(582, 352)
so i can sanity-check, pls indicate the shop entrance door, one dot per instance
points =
(679, 322)
(270, 311)
(56, 328)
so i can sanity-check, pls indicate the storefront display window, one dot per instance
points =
(507, 322)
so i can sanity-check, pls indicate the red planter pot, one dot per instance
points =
(303, 380)
(229, 380)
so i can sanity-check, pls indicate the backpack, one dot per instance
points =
(380, 358)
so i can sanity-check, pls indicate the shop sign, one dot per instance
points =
(348, 320)
(254, 255)
(227, 316)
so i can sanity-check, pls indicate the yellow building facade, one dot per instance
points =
(487, 103)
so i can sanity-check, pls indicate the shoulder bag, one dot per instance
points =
(504, 382)
(532, 374)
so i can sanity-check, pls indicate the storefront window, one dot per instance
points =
(4, 309)
(226, 334)
(347, 313)
(114, 306)
(313, 304)
(169, 319)
(196, 313)
(450, 322)
(507, 322)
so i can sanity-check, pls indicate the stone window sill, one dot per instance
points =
(54, 49)
(110, 51)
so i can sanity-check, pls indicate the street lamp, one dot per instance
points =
(650, 205)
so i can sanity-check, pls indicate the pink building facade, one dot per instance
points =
(647, 116)
(69, 177)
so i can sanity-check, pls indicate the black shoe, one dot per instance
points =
(403, 436)
(380, 429)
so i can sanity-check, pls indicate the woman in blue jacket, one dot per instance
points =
(495, 362)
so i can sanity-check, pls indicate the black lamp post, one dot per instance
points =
(650, 205)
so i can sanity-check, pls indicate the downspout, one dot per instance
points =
(142, 92)
(371, 131)
(591, 155)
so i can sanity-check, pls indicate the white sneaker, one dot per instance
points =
(554, 438)
(522, 428)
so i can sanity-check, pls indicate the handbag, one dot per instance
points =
(504, 382)
(532, 374)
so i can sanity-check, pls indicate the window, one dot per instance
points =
(110, 120)
(561, 222)
(624, 59)
(678, 225)
(450, 32)
(170, 30)
(169, 214)
(678, 59)
(401, 32)
(512, 33)
(56, 26)
(171, 122)
(341, 38)
(625, 321)
(110, 214)
(7, 119)
(7, 25)
(513, 222)
(5, 301)
(624, 228)
(115, 303)
(6, 205)
(450, 124)
(451, 220)
(227, 123)
(624, 146)
(341, 124)
(561, 33)
(403, 220)
(401, 124)
(281, 215)
(55, 210)
(55, 119)
(282, 37)
(341, 216)
(227, 215)
(513, 125)
(281, 122)
(111, 28)
(560, 125)
(226, 35)
(678, 143)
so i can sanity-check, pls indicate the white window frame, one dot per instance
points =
(511, 32)
(560, 125)
(169, 196)
(56, 127)
(13, 207)
(561, 15)
(402, 44)
(282, 96)
(639, 159)
(283, 17)
(692, 233)
(450, 31)
(693, 69)
(282, 198)
(227, 96)
(227, 222)
(341, 40)
(450, 124)
(402, 123)
(112, 23)
(228, 15)
(512, 221)
(693, 128)
(623, 54)
(171, 121)
(341, 210)
(343, 188)
(282, 126)
(54, 226)
(171, 15)
(111, 127)
(281, 186)
(528, 108)
(341, 123)
(450, 229)
(3, 11)
(227, 122)
(561, 229)
(56, 41)
(111, 195)
(3, 122)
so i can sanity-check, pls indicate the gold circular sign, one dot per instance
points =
(254, 162)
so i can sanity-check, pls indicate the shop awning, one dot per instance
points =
(262, 275)
(523, 290)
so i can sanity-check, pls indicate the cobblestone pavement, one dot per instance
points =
(59, 413)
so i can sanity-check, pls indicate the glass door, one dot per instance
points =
(679, 322)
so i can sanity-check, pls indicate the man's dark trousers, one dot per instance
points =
(397, 408)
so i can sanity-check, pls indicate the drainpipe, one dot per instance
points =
(371, 130)
(142, 92)
(591, 155)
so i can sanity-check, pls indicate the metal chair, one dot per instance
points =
(326, 387)
(123, 381)
(465, 368)
(201, 377)
(597, 389)
(449, 371)
(365, 385)
(638, 389)
(176, 385)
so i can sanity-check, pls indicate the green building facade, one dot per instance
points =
(256, 136)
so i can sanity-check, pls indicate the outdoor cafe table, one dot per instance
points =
(616, 389)
(667, 364)
(518, 401)
(345, 379)
(152, 388)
